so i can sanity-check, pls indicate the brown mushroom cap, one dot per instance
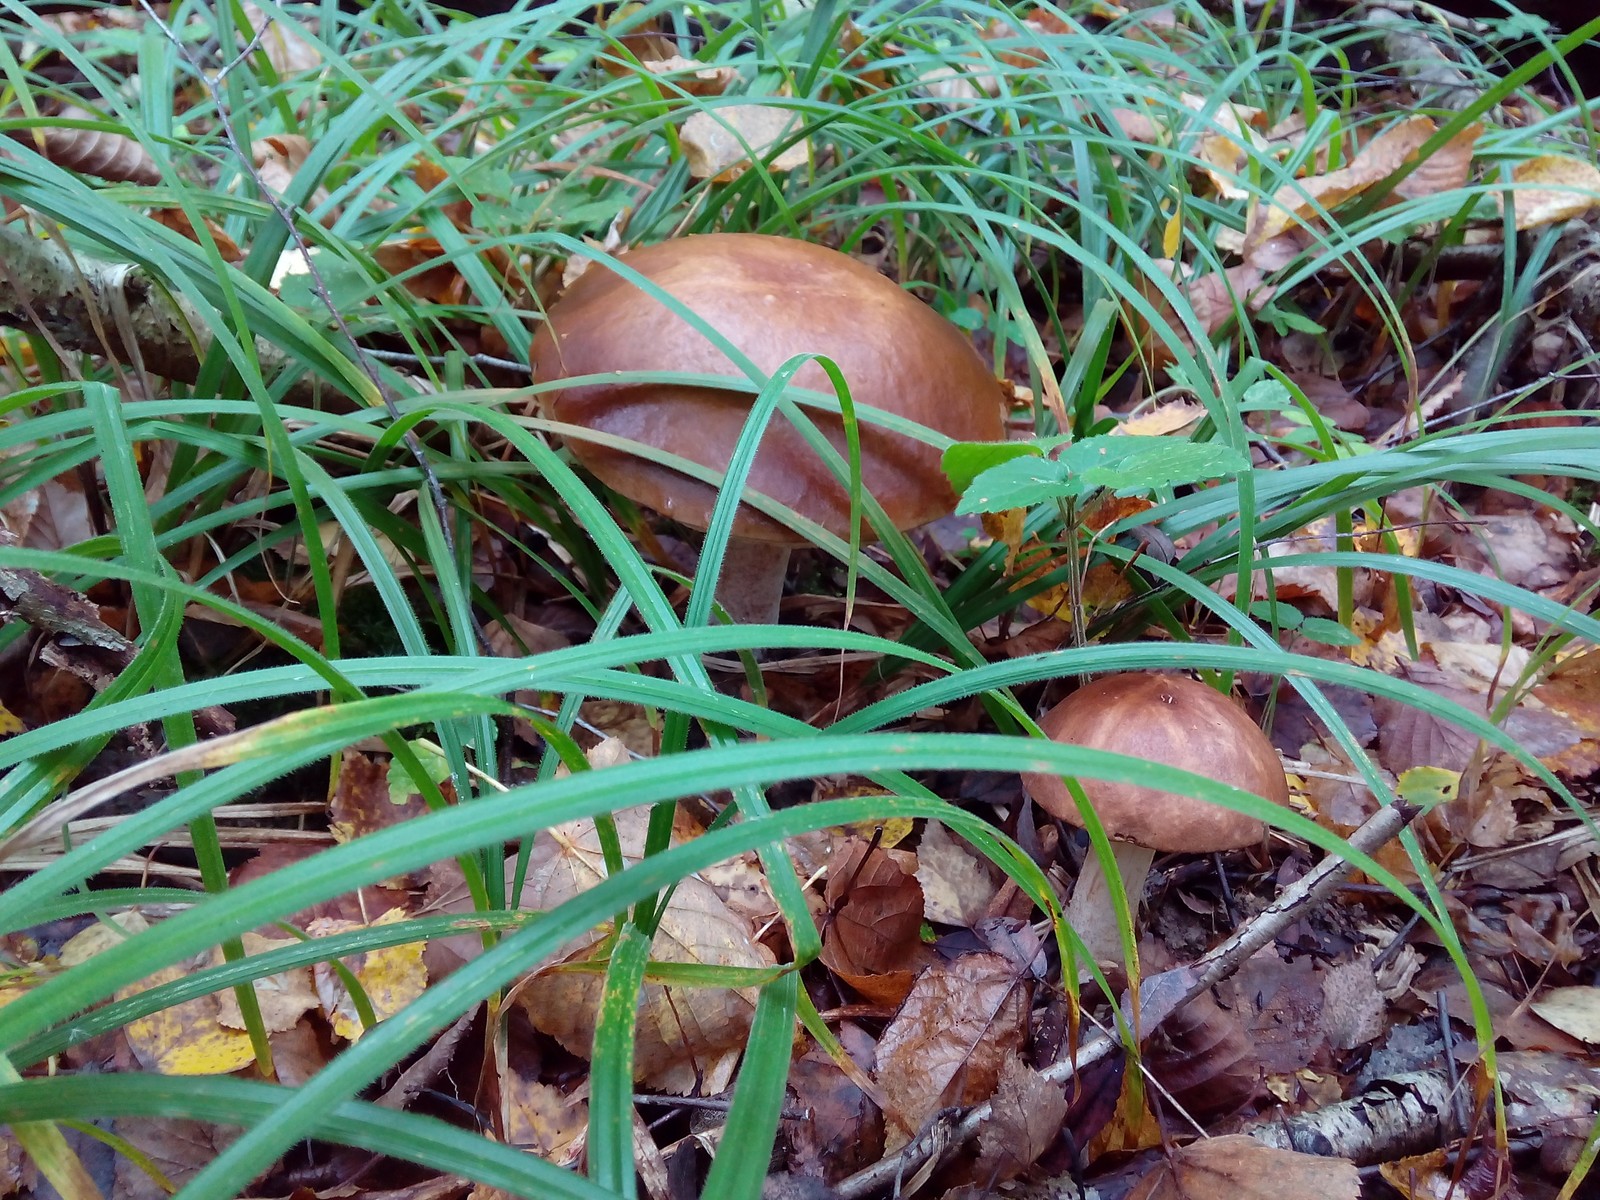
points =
(772, 298)
(1166, 719)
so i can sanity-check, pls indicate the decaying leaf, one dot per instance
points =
(391, 978)
(950, 1040)
(1027, 1113)
(722, 143)
(1239, 1168)
(687, 1037)
(188, 1038)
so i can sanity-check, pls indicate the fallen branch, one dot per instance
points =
(55, 609)
(87, 306)
(1159, 997)
(1416, 1112)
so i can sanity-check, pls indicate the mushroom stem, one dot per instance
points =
(751, 584)
(1091, 911)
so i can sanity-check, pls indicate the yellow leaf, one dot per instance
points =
(1427, 787)
(186, 1039)
(1006, 528)
(391, 978)
(1563, 188)
(1172, 235)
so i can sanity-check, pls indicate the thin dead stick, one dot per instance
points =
(1159, 997)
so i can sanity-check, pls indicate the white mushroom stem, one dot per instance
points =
(751, 584)
(1091, 911)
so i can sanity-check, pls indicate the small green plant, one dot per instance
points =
(995, 477)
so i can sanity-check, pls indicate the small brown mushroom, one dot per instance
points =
(1163, 719)
(771, 298)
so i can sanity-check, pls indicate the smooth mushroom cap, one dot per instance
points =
(1165, 719)
(772, 298)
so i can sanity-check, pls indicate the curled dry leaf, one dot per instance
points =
(950, 1040)
(1303, 201)
(111, 156)
(722, 143)
(875, 914)
(1240, 1168)
(1554, 188)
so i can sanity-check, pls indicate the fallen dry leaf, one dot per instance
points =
(1027, 1111)
(693, 77)
(1574, 1010)
(110, 156)
(950, 1040)
(542, 1119)
(957, 883)
(1554, 188)
(283, 998)
(722, 143)
(178, 1149)
(687, 1037)
(391, 978)
(187, 1038)
(1240, 1168)
(875, 915)
(1163, 419)
(1304, 201)
(844, 1129)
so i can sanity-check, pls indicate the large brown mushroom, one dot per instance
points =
(1163, 719)
(771, 298)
